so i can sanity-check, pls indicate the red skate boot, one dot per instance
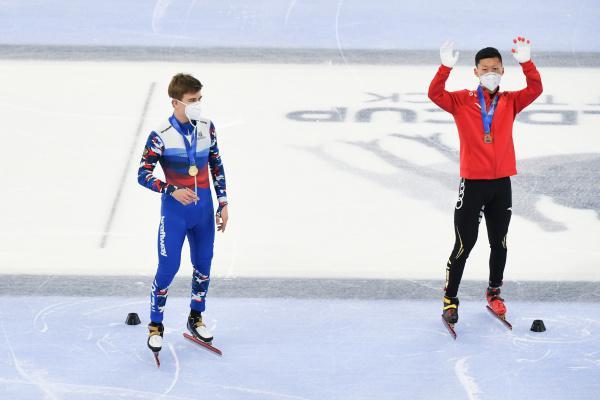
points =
(495, 302)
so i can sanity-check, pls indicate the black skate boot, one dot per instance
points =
(197, 327)
(450, 310)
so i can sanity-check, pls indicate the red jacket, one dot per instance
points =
(479, 160)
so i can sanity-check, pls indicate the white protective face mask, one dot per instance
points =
(490, 81)
(192, 110)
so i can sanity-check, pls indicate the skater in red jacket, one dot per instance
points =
(484, 118)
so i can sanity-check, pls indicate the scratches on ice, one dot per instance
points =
(177, 368)
(34, 380)
(461, 369)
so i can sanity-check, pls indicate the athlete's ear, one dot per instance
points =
(173, 102)
(475, 72)
(502, 73)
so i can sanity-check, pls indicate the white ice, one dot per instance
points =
(308, 199)
(80, 348)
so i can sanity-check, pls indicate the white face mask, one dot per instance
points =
(490, 81)
(192, 110)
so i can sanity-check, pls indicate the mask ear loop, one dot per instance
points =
(196, 176)
(195, 125)
(195, 136)
(195, 133)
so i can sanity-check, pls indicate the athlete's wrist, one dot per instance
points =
(222, 205)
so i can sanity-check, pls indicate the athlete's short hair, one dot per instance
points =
(182, 84)
(488, 52)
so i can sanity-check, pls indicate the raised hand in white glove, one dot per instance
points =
(522, 49)
(448, 55)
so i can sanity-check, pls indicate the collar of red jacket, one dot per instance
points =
(487, 94)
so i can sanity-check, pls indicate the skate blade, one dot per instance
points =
(156, 359)
(450, 328)
(204, 345)
(501, 318)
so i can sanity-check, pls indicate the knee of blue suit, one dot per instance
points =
(203, 266)
(200, 283)
(158, 301)
(164, 277)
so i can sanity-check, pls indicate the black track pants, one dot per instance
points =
(478, 198)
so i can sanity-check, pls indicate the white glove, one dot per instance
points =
(448, 55)
(522, 50)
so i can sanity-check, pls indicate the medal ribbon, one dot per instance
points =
(190, 148)
(487, 116)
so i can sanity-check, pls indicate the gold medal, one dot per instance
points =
(487, 138)
(193, 170)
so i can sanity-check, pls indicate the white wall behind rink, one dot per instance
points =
(342, 198)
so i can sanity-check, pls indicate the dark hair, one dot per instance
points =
(182, 84)
(488, 52)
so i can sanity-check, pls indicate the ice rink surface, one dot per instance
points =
(342, 179)
(80, 348)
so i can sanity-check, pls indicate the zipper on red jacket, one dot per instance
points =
(494, 141)
(497, 93)
(495, 160)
